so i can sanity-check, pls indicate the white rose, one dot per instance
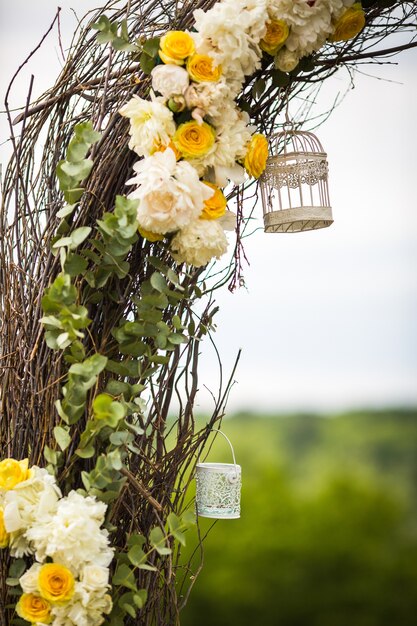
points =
(95, 577)
(286, 60)
(170, 193)
(29, 580)
(170, 80)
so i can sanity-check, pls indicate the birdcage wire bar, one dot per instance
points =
(294, 185)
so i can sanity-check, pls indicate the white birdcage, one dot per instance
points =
(294, 185)
(218, 487)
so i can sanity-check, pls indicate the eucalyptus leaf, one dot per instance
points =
(62, 436)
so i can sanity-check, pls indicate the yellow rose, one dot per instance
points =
(34, 609)
(13, 472)
(175, 46)
(277, 32)
(256, 156)
(147, 234)
(194, 140)
(4, 535)
(349, 24)
(201, 69)
(56, 583)
(215, 206)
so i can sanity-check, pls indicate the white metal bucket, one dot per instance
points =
(218, 488)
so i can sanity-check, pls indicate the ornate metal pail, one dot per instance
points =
(218, 488)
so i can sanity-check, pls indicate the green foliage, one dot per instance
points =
(143, 554)
(115, 34)
(76, 167)
(328, 533)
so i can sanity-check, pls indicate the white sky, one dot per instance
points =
(329, 318)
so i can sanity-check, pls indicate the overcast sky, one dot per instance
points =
(329, 318)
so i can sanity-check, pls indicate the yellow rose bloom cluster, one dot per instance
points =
(194, 140)
(4, 535)
(12, 473)
(349, 24)
(56, 586)
(215, 206)
(176, 46)
(276, 35)
(256, 155)
(201, 69)
(34, 609)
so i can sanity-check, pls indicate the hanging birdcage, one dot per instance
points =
(218, 487)
(294, 185)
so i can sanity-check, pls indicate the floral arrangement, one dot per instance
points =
(192, 137)
(119, 328)
(68, 584)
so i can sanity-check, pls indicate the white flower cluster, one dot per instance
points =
(192, 132)
(67, 531)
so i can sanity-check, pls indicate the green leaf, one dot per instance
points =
(147, 63)
(158, 282)
(136, 540)
(151, 46)
(136, 555)
(124, 577)
(158, 541)
(259, 87)
(75, 264)
(279, 79)
(78, 170)
(62, 436)
(50, 455)
(140, 598)
(66, 210)
(79, 235)
(17, 568)
(86, 453)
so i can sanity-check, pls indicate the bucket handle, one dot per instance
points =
(217, 430)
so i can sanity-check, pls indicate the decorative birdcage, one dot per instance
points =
(294, 185)
(218, 487)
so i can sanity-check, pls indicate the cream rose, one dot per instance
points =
(29, 580)
(95, 577)
(286, 60)
(170, 80)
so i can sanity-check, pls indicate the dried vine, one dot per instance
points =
(94, 83)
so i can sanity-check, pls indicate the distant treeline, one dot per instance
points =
(328, 534)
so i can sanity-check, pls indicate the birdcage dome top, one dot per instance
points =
(290, 142)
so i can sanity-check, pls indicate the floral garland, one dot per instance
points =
(193, 136)
(68, 584)
(193, 140)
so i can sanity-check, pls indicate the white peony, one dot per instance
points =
(26, 505)
(151, 124)
(197, 244)
(209, 98)
(310, 23)
(170, 80)
(72, 536)
(170, 194)
(84, 609)
(230, 32)
(29, 580)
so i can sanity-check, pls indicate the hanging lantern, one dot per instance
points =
(294, 185)
(218, 487)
